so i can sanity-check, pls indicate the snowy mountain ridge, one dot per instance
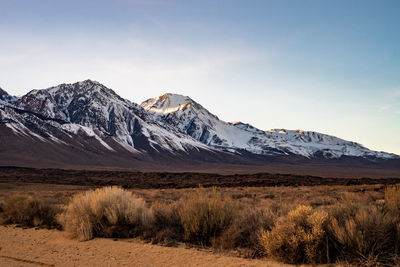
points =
(193, 119)
(89, 114)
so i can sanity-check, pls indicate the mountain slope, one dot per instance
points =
(191, 118)
(5, 98)
(100, 112)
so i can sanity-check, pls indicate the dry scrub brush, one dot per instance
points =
(361, 228)
(106, 212)
(205, 215)
(368, 237)
(167, 227)
(365, 233)
(392, 207)
(392, 199)
(244, 233)
(30, 211)
(298, 237)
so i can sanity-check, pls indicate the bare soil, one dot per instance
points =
(31, 247)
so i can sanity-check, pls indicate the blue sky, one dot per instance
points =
(328, 66)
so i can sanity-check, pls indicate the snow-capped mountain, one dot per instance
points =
(88, 124)
(98, 111)
(191, 118)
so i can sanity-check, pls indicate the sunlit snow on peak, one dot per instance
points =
(167, 103)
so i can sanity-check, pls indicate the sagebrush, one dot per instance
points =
(167, 227)
(299, 237)
(244, 233)
(205, 215)
(30, 211)
(106, 212)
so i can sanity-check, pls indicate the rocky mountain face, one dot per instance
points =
(193, 119)
(96, 110)
(88, 122)
(5, 98)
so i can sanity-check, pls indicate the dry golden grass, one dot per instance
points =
(105, 212)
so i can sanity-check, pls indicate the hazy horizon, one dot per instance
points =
(330, 67)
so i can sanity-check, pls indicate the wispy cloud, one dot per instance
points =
(391, 99)
(395, 93)
(118, 60)
(383, 108)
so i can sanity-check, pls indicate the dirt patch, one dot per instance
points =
(30, 247)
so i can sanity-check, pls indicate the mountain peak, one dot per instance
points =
(84, 88)
(66, 101)
(89, 81)
(167, 103)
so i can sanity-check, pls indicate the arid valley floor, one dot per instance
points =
(37, 246)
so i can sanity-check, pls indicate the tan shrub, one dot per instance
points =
(298, 237)
(205, 214)
(368, 236)
(30, 211)
(167, 227)
(346, 208)
(392, 199)
(105, 212)
(244, 233)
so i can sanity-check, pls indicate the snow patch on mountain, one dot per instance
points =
(21, 124)
(75, 128)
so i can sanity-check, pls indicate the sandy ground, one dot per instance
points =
(31, 247)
